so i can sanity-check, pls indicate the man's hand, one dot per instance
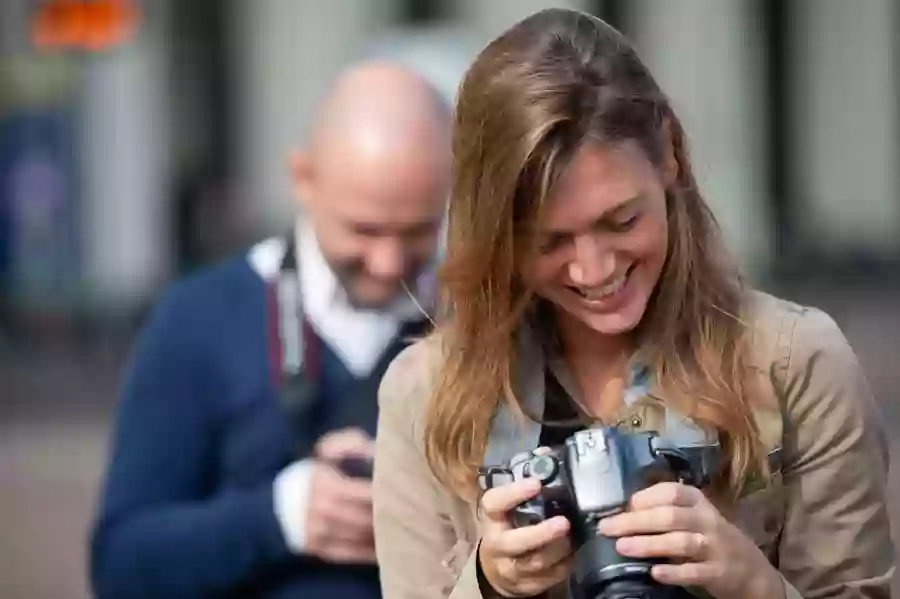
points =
(339, 518)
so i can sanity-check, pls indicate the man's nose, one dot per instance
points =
(387, 259)
(593, 263)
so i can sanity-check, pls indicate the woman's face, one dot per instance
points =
(603, 239)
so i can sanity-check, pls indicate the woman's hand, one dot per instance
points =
(677, 522)
(521, 562)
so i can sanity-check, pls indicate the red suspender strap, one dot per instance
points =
(273, 338)
(311, 359)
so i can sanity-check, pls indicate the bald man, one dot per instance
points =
(241, 454)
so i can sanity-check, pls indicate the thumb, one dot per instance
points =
(345, 443)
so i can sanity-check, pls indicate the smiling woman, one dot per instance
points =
(603, 239)
(580, 254)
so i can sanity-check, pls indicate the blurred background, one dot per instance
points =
(139, 148)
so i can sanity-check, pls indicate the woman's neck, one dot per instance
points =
(580, 342)
(597, 363)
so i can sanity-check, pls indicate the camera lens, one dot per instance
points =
(601, 573)
(640, 591)
(629, 590)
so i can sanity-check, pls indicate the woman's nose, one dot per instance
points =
(593, 263)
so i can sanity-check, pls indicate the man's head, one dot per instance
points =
(375, 178)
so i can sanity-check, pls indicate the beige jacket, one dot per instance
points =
(822, 521)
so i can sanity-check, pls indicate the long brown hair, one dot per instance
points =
(532, 97)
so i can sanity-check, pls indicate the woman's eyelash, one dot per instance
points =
(622, 225)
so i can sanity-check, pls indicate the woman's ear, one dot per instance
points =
(670, 158)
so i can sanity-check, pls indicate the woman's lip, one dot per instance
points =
(628, 272)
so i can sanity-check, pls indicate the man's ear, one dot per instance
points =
(670, 160)
(300, 167)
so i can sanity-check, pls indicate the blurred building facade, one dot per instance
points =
(123, 168)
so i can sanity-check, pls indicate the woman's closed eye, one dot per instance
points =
(621, 225)
(551, 243)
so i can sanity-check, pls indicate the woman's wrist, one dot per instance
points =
(769, 584)
(488, 591)
(484, 585)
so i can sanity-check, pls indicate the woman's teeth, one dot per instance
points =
(605, 290)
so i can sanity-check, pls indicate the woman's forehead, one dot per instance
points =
(598, 181)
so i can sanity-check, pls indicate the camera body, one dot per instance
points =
(356, 467)
(592, 476)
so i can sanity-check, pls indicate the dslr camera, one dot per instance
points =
(592, 476)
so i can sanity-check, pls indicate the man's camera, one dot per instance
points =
(355, 467)
(591, 476)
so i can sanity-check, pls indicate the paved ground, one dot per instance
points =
(55, 405)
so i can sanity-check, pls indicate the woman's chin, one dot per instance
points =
(618, 322)
(612, 324)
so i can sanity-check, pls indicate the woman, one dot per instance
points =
(580, 250)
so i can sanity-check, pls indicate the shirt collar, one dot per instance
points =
(321, 286)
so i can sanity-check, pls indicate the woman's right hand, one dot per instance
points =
(521, 562)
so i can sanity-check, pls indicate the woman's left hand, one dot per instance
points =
(677, 522)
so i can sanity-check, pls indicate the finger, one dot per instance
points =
(667, 493)
(545, 558)
(687, 545)
(497, 502)
(654, 520)
(353, 522)
(521, 541)
(351, 535)
(350, 553)
(327, 530)
(688, 574)
(345, 443)
(347, 490)
(353, 436)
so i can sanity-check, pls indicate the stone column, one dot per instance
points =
(845, 114)
(707, 57)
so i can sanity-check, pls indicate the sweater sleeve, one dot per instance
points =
(161, 533)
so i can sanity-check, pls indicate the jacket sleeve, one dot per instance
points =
(161, 533)
(419, 554)
(836, 541)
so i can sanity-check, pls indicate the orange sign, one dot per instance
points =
(91, 25)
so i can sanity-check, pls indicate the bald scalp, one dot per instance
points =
(375, 177)
(382, 108)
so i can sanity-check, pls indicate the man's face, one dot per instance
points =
(377, 222)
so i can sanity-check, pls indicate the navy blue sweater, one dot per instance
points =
(187, 509)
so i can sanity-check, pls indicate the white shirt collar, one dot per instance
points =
(358, 337)
(319, 283)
